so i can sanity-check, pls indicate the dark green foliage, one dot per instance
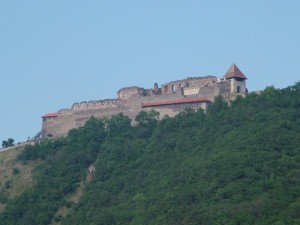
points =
(147, 118)
(147, 121)
(3, 197)
(118, 125)
(7, 184)
(219, 106)
(66, 161)
(16, 171)
(8, 143)
(40, 150)
(237, 164)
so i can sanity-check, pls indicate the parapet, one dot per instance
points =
(65, 112)
(94, 104)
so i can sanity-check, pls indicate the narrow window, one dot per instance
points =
(238, 89)
(173, 88)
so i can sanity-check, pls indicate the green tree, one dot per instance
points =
(218, 106)
(119, 124)
(8, 143)
(237, 164)
(147, 121)
(147, 118)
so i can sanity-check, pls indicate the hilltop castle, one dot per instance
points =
(169, 99)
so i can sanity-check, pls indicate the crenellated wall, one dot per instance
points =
(129, 102)
(98, 104)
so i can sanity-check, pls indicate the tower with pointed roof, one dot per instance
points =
(237, 80)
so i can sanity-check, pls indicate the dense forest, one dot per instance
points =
(239, 163)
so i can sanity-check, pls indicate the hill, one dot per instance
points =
(237, 164)
(15, 177)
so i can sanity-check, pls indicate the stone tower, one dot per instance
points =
(237, 80)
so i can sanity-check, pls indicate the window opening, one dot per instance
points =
(173, 88)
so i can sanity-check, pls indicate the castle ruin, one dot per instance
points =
(170, 99)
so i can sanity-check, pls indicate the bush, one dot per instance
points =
(3, 198)
(16, 171)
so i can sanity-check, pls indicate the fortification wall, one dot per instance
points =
(74, 118)
(58, 126)
(82, 116)
(173, 110)
(79, 113)
(201, 81)
(65, 112)
(132, 92)
(211, 91)
(130, 99)
(190, 82)
(99, 104)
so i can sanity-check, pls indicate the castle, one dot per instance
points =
(170, 99)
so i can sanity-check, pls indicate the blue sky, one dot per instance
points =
(55, 53)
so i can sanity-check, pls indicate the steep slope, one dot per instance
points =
(15, 177)
(237, 164)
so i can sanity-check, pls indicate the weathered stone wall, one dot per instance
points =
(131, 92)
(100, 104)
(58, 126)
(238, 86)
(173, 110)
(129, 102)
(211, 91)
(189, 83)
(201, 81)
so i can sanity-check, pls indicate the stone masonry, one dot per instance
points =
(170, 99)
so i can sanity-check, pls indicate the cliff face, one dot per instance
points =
(170, 98)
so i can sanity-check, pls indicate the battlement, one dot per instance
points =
(170, 99)
(96, 104)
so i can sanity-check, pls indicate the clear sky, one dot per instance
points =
(55, 53)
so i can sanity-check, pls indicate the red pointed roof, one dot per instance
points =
(50, 115)
(234, 72)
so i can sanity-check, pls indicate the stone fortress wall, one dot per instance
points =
(170, 99)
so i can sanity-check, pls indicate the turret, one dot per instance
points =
(237, 80)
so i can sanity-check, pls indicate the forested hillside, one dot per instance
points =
(237, 164)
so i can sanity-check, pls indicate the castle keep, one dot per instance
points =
(168, 99)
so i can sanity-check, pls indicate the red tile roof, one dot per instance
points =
(50, 115)
(188, 100)
(234, 72)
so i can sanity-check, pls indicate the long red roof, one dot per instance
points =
(50, 115)
(173, 102)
